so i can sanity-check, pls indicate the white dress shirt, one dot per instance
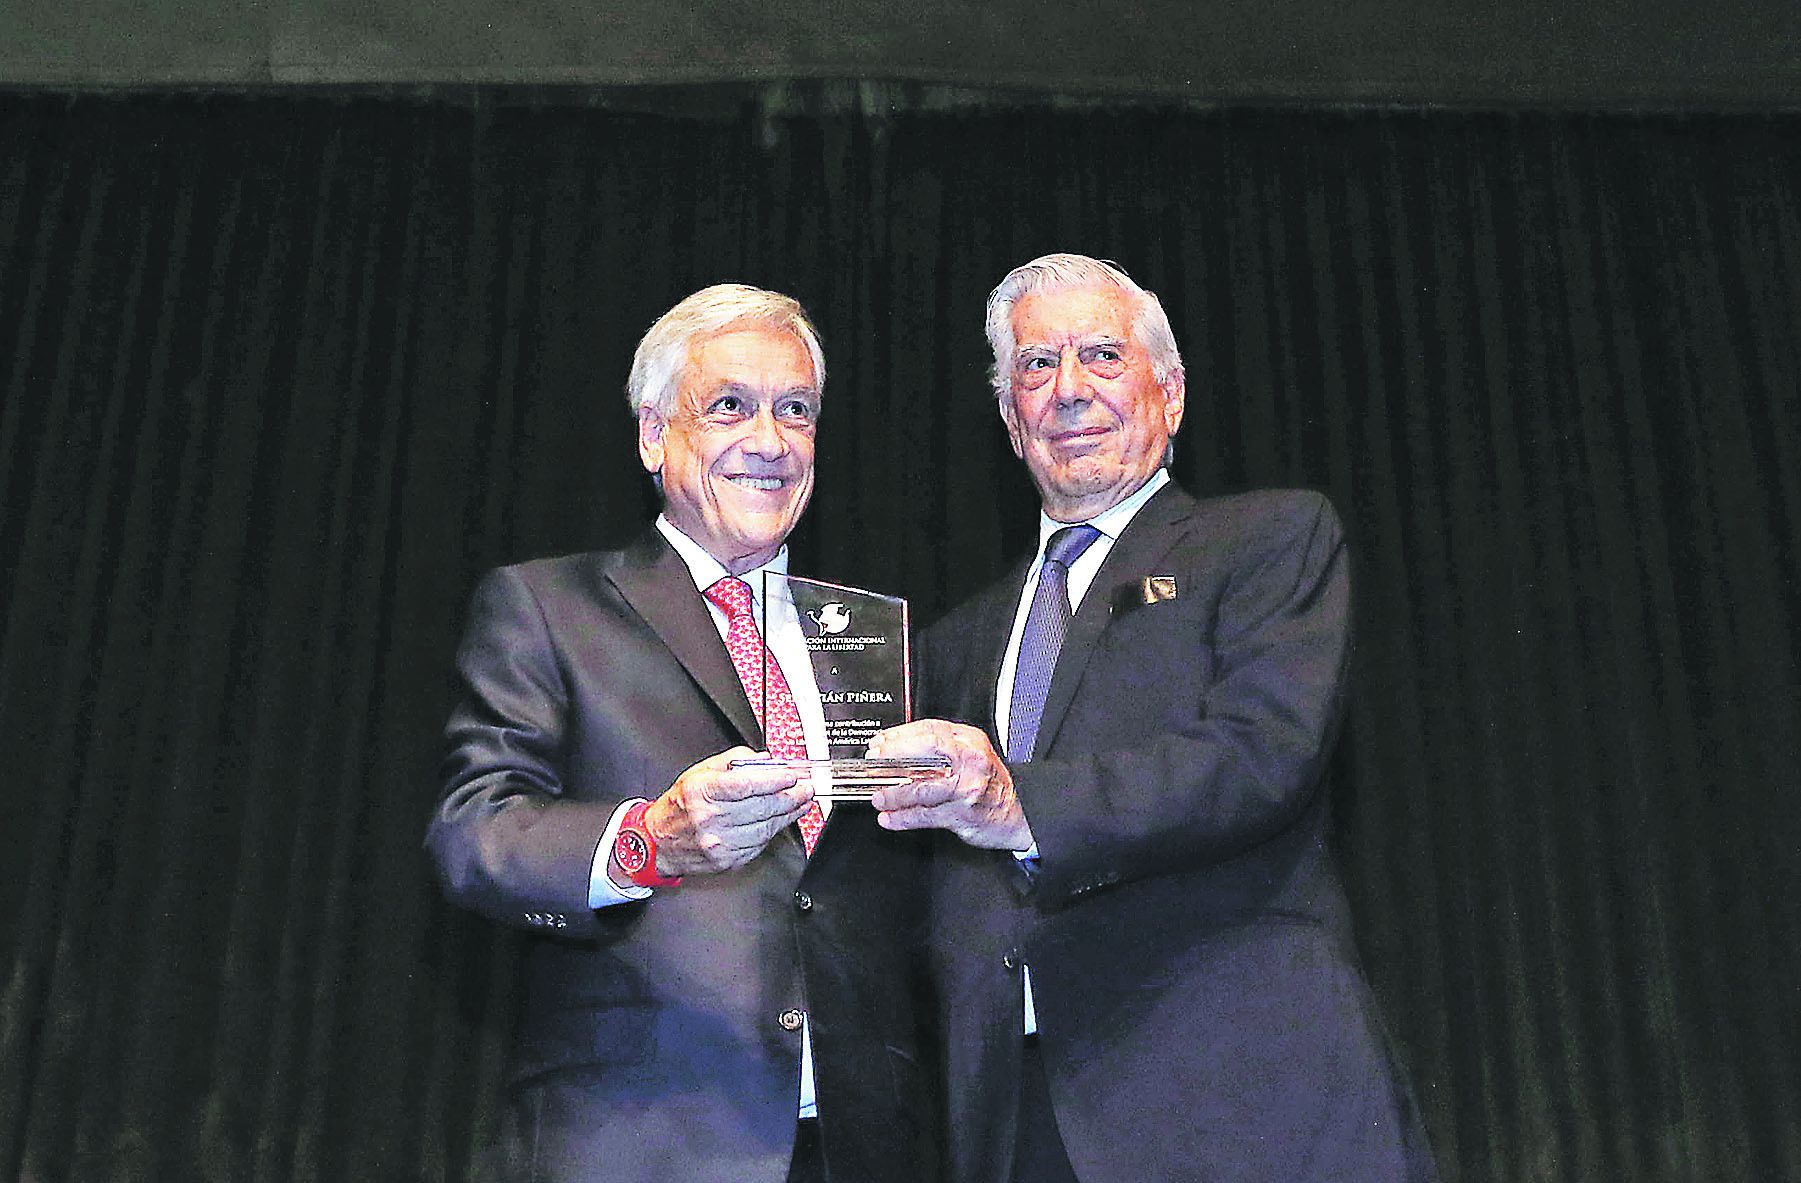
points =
(1111, 523)
(788, 645)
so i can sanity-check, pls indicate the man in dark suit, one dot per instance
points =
(1141, 943)
(705, 1000)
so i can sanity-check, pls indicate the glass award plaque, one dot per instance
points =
(858, 644)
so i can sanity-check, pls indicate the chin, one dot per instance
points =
(757, 543)
(1083, 480)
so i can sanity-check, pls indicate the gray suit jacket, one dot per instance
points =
(659, 1040)
(1200, 1009)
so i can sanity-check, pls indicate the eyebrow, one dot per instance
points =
(810, 394)
(1029, 350)
(741, 388)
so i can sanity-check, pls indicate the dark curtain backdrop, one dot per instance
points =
(282, 375)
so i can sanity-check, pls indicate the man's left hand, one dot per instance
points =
(975, 800)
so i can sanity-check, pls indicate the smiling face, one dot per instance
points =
(1083, 408)
(736, 451)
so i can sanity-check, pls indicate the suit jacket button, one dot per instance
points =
(803, 901)
(1010, 961)
(791, 1019)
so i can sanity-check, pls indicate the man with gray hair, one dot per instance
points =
(1138, 933)
(719, 984)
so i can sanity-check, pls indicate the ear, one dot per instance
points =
(1175, 399)
(1011, 418)
(650, 440)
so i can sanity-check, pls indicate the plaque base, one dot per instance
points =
(856, 779)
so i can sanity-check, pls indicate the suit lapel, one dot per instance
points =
(1150, 535)
(656, 583)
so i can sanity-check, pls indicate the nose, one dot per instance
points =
(767, 437)
(1072, 386)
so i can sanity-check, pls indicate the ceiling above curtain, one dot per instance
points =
(1731, 54)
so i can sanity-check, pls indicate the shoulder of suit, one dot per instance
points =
(558, 566)
(998, 596)
(1275, 513)
(554, 574)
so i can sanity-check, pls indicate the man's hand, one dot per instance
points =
(715, 818)
(975, 801)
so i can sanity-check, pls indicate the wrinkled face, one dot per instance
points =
(736, 453)
(1084, 411)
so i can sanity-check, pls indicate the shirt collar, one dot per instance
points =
(1111, 521)
(706, 570)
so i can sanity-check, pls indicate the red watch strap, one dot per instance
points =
(635, 849)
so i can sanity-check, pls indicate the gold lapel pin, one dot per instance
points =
(1156, 588)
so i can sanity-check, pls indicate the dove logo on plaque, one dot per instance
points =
(832, 619)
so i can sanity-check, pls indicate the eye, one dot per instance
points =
(726, 404)
(1105, 359)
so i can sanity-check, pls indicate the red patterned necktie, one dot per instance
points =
(781, 731)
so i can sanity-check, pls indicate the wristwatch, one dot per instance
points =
(635, 850)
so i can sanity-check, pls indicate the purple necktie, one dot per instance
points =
(1042, 639)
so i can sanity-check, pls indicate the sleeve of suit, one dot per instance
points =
(1254, 754)
(507, 841)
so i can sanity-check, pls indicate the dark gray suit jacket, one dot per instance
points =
(1200, 1008)
(659, 1040)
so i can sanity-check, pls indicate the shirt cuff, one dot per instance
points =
(1030, 854)
(602, 891)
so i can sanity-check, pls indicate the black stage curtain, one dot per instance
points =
(282, 375)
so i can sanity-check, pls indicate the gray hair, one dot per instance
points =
(1150, 324)
(662, 354)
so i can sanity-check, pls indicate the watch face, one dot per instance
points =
(632, 851)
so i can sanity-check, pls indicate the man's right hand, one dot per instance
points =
(715, 818)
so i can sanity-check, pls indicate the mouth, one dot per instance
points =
(762, 484)
(1076, 437)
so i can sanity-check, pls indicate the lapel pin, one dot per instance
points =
(1152, 589)
(1157, 588)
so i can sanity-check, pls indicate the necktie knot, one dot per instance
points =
(1067, 544)
(732, 595)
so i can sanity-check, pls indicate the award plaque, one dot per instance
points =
(858, 644)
